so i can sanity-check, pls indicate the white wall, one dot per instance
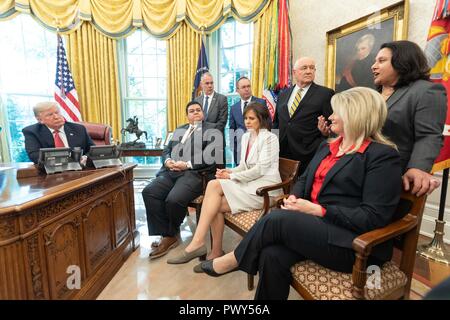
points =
(310, 21)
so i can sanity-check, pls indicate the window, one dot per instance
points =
(235, 60)
(145, 90)
(235, 56)
(27, 71)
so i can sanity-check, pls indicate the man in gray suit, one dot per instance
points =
(179, 180)
(215, 106)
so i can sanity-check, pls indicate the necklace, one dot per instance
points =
(342, 150)
(387, 92)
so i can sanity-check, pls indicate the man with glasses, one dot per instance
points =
(52, 131)
(297, 111)
(179, 181)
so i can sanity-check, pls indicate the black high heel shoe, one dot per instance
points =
(207, 267)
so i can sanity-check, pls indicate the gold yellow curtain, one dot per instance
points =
(262, 28)
(117, 18)
(93, 62)
(182, 55)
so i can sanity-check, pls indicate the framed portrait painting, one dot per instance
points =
(351, 48)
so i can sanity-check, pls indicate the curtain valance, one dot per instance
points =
(118, 18)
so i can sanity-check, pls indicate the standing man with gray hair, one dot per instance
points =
(52, 131)
(298, 108)
(214, 105)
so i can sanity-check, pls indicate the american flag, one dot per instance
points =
(65, 92)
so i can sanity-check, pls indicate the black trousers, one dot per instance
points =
(166, 199)
(281, 239)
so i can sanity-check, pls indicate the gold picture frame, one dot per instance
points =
(345, 64)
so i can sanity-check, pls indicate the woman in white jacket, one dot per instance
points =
(235, 189)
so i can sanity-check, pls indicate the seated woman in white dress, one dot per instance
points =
(235, 189)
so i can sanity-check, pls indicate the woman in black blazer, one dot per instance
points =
(351, 186)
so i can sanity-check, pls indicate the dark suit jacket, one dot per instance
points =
(415, 122)
(237, 122)
(236, 117)
(192, 150)
(39, 136)
(360, 193)
(217, 110)
(300, 132)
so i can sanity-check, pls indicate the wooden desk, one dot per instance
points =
(50, 225)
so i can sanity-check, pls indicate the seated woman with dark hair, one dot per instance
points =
(235, 189)
(351, 186)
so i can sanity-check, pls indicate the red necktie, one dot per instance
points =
(58, 141)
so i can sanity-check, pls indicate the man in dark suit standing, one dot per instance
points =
(53, 131)
(237, 126)
(214, 105)
(297, 111)
(179, 181)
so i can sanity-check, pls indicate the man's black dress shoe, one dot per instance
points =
(207, 267)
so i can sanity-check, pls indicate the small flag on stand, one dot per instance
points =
(202, 67)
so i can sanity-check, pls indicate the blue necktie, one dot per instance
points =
(205, 107)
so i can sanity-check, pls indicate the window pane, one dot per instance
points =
(135, 65)
(227, 83)
(227, 34)
(135, 87)
(227, 56)
(134, 43)
(150, 65)
(162, 66)
(243, 33)
(162, 87)
(148, 44)
(244, 62)
(27, 71)
(150, 88)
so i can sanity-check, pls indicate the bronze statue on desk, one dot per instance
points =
(133, 127)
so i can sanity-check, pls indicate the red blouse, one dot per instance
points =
(326, 164)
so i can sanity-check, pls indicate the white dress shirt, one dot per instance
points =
(210, 97)
(243, 102)
(294, 93)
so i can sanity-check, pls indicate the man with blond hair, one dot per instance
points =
(52, 131)
(297, 111)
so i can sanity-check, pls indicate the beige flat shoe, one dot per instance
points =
(186, 257)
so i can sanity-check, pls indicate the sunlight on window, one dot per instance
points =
(146, 87)
(27, 71)
(235, 60)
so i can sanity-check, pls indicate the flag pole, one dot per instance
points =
(436, 249)
(203, 40)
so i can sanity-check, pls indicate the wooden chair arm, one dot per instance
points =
(279, 199)
(365, 242)
(363, 246)
(265, 190)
